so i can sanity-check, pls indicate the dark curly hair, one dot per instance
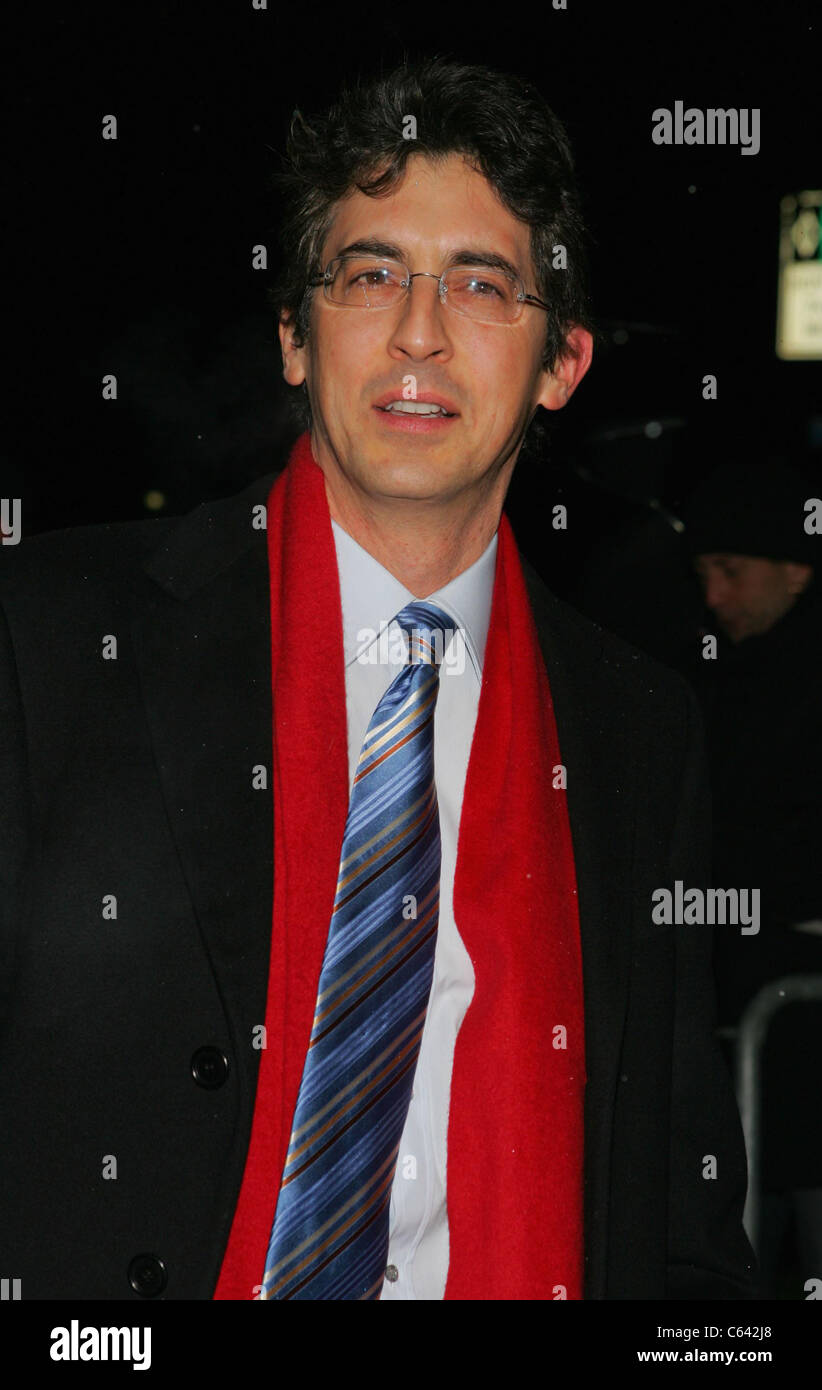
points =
(498, 121)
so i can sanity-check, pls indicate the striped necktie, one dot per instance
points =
(329, 1238)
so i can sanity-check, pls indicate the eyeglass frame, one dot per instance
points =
(523, 297)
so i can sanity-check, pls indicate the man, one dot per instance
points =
(746, 535)
(494, 1077)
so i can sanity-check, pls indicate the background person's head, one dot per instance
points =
(749, 593)
(489, 169)
(746, 538)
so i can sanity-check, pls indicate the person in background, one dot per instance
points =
(762, 700)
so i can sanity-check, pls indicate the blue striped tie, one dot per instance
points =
(330, 1233)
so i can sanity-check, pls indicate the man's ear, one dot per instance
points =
(293, 356)
(558, 386)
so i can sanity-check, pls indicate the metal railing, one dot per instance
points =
(750, 1038)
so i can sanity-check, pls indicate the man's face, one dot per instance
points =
(489, 374)
(747, 593)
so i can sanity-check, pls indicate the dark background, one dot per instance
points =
(134, 257)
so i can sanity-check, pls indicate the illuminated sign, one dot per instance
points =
(799, 295)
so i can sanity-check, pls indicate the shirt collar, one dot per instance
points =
(371, 595)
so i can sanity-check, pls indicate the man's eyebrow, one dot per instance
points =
(468, 255)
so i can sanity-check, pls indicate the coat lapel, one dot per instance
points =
(203, 649)
(595, 749)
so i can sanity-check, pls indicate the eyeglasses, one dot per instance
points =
(480, 292)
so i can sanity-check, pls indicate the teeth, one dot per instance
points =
(415, 408)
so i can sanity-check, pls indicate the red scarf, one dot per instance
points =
(515, 1128)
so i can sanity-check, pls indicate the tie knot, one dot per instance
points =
(428, 629)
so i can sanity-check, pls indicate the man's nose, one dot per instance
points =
(422, 327)
(715, 588)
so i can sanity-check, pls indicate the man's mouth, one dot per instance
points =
(415, 408)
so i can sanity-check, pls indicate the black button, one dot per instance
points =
(147, 1275)
(209, 1067)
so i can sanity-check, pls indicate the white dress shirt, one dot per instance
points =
(374, 651)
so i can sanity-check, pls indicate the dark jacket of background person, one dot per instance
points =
(133, 1038)
(763, 711)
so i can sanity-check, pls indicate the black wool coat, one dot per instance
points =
(131, 1038)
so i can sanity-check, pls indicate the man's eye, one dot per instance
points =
(371, 278)
(483, 287)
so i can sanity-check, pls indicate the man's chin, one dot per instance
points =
(409, 467)
(407, 481)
